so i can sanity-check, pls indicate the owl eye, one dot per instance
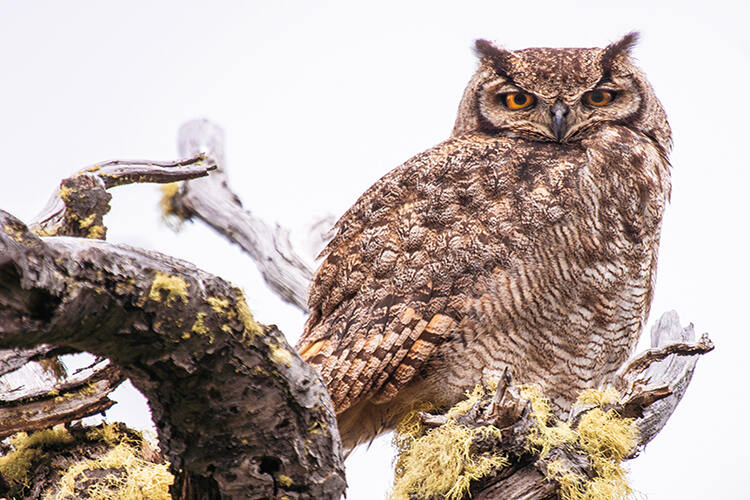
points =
(598, 98)
(517, 100)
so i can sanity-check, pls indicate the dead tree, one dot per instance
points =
(238, 413)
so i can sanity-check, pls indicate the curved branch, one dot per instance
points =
(79, 206)
(238, 412)
(212, 201)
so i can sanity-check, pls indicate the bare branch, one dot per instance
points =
(211, 200)
(657, 379)
(79, 206)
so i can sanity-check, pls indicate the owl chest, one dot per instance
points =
(566, 308)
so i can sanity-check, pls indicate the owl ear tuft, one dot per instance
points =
(498, 57)
(621, 47)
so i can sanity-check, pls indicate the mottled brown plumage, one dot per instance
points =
(516, 243)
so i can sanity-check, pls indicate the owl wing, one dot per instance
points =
(399, 273)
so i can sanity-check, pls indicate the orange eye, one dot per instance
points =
(598, 98)
(518, 100)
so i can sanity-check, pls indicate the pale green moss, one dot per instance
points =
(596, 397)
(140, 479)
(604, 436)
(546, 435)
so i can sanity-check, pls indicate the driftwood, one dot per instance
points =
(238, 413)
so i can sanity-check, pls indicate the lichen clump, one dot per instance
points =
(174, 286)
(168, 192)
(605, 437)
(27, 449)
(444, 461)
(137, 478)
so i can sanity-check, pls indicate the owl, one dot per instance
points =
(527, 241)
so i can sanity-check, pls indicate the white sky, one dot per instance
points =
(319, 99)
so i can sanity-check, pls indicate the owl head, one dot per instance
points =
(562, 95)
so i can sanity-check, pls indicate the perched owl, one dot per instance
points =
(527, 240)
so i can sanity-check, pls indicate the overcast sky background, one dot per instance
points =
(320, 99)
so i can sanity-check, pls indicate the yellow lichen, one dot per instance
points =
(442, 462)
(139, 479)
(14, 233)
(64, 193)
(251, 328)
(285, 481)
(218, 305)
(84, 223)
(96, 232)
(279, 355)
(598, 398)
(174, 286)
(168, 192)
(108, 433)
(545, 435)
(199, 327)
(464, 406)
(605, 438)
(14, 467)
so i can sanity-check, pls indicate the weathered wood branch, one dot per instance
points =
(75, 398)
(211, 200)
(235, 407)
(78, 207)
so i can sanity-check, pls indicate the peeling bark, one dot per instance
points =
(73, 399)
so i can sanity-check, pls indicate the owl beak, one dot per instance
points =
(559, 114)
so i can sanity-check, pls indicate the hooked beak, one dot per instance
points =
(559, 114)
